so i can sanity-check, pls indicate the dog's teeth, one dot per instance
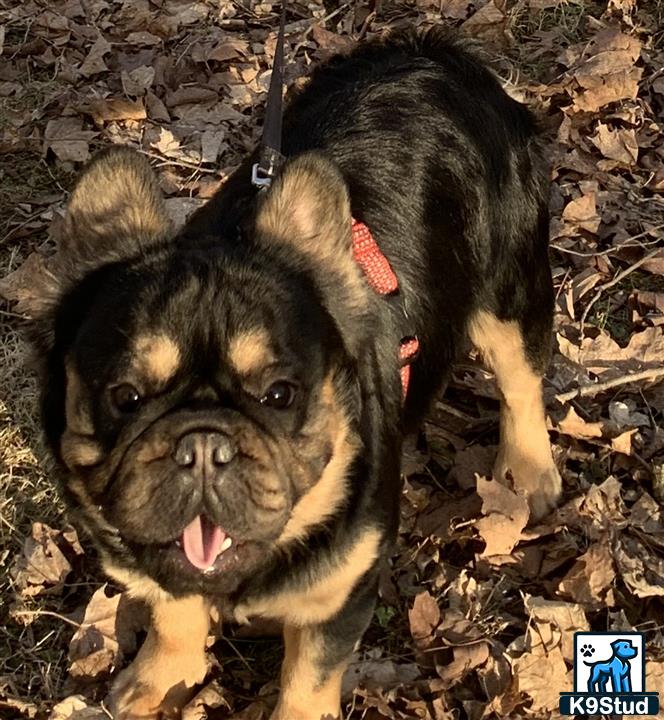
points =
(178, 543)
(226, 544)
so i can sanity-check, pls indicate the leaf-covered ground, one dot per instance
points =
(477, 615)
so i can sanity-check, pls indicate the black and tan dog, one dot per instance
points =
(228, 404)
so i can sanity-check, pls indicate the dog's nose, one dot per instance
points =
(204, 451)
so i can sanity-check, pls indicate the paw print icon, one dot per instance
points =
(587, 650)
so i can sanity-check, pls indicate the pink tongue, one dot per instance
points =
(201, 541)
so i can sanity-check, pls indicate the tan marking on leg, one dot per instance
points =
(169, 665)
(525, 450)
(251, 351)
(324, 596)
(157, 356)
(306, 693)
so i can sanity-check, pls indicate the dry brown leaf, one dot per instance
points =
(210, 697)
(465, 658)
(423, 617)
(105, 110)
(539, 670)
(142, 37)
(76, 707)
(137, 82)
(616, 144)
(567, 617)
(589, 581)
(601, 90)
(506, 515)
(211, 144)
(42, 566)
(581, 213)
(603, 356)
(575, 426)
(377, 673)
(94, 62)
(29, 285)
(655, 264)
(106, 634)
(330, 43)
(603, 504)
(642, 568)
(68, 140)
(487, 23)
(655, 676)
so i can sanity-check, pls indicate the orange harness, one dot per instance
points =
(380, 276)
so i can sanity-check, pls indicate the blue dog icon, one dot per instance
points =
(617, 668)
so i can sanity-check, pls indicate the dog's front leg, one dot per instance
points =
(170, 663)
(316, 657)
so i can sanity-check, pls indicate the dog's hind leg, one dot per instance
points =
(524, 456)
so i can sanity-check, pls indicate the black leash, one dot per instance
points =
(270, 157)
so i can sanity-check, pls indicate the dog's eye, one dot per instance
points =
(126, 398)
(279, 395)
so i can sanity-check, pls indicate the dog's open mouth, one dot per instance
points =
(203, 543)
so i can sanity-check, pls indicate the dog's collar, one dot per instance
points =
(382, 279)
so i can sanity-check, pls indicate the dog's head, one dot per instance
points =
(624, 649)
(204, 402)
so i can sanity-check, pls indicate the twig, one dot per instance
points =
(48, 613)
(618, 278)
(628, 243)
(178, 163)
(591, 390)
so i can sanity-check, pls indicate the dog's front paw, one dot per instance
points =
(159, 691)
(539, 481)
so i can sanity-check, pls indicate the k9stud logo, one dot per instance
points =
(609, 676)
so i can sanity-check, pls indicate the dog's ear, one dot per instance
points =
(115, 212)
(308, 209)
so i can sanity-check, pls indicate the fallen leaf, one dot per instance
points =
(377, 673)
(76, 707)
(616, 144)
(30, 286)
(137, 82)
(642, 569)
(575, 426)
(68, 140)
(589, 582)
(42, 566)
(540, 671)
(105, 110)
(581, 213)
(94, 62)
(567, 617)
(211, 697)
(142, 37)
(506, 515)
(423, 617)
(106, 635)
